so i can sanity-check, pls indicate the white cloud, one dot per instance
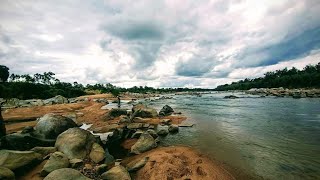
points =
(162, 43)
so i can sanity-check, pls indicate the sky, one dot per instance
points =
(171, 43)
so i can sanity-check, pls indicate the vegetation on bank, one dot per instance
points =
(309, 77)
(45, 85)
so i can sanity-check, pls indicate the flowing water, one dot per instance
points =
(275, 138)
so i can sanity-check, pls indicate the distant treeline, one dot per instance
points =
(309, 77)
(46, 86)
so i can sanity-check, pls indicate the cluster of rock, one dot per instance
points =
(74, 153)
(282, 92)
(15, 102)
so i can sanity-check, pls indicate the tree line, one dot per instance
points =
(46, 85)
(308, 77)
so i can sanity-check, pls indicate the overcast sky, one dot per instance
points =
(173, 43)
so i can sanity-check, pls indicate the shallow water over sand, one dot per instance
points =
(275, 138)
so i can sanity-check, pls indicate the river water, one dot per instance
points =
(274, 138)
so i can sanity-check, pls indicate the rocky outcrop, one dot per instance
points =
(97, 153)
(75, 143)
(17, 160)
(116, 173)
(6, 174)
(231, 97)
(282, 92)
(51, 125)
(140, 110)
(166, 111)
(56, 100)
(66, 174)
(113, 113)
(56, 161)
(144, 143)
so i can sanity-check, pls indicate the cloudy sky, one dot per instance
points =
(172, 43)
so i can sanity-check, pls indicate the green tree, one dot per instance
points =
(4, 73)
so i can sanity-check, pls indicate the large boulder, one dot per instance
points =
(97, 153)
(6, 174)
(56, 161)
(144, 143)
(75, 143)
(173, 128)
(66, 174)
(18, 160)
(113, 113)
(143, 111)
(56, 100)
(51, 125)
(166, 111)
(116, 173)
(136, 165)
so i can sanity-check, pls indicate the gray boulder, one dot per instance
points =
(152, 133)
(166, 111)
(143, 111)
(75, 143)
(116, 173)
(163, 132)
(173, 129)
(66, 174)
(56, 161)
(51, 125)
(144, 143)
(6, 174)
(56, 100)
(15, 160)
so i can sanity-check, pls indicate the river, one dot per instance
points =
(274, 138)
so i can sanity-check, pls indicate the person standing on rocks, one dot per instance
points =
(2, 126)
(118, 101)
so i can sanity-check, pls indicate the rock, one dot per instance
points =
(166, 111)
(101, 168)
(15, 160)
(143, 111)
(116, 173)
(56, 100)
(166, 121)
(231, 97)
(173, 129)
(66, 174)
(44, 150)
(139, 120)
(75, 143)
(144, 143)
(75, 163)
(137, 134)
(124, 120)
(18, 141)
(27, 129)
(56, 161)
(97, 153)
(163, 132)
(134, 125)
(109, 159)
(6, 174)
(113, 113)
(51, 125)
(152, 133)
(136, 165)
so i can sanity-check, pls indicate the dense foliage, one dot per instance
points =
(309, 77)
(46, 86)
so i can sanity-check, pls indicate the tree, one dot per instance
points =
(4, 73)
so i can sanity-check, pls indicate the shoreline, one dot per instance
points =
(91, 112)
